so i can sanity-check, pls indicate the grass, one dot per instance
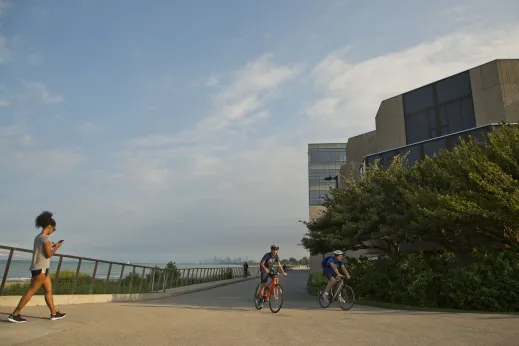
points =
(65, 284)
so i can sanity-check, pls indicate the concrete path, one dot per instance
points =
(226, 316)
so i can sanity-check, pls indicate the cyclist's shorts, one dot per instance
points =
(329, 274)
(265, 277)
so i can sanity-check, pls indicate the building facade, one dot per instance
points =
(324, 161)
(423, 121)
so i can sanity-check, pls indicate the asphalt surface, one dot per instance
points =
(226, 316)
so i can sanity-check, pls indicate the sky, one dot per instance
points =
(178, 130)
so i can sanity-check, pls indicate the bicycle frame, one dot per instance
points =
(338, 289)
(270, 286)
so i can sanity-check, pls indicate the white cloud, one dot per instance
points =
(262, 183)
(5, 52)
(89, 128)
(20, 152)
(43, 92)
(4, 6)
(34, 59)
(352, 91)
(212, 81)
(4, 103)
(244, 189)
(247, 94)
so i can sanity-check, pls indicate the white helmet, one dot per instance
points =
(338, 253)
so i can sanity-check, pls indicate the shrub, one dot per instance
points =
(486, 281)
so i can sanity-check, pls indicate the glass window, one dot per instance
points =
(315, 201)
(434, 147)
(479, 134)
(315, 181)
(453, 88)
(389, 156)
(468, 118)
(434, 131)
(452, 111)
(417, 127)
(314, 193)
(444, 121)
(327, 156)
(413, 155)
(418, 99)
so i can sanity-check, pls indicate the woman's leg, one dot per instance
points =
(36, 283)
(47, 287)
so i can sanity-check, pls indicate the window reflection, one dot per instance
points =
(416, 127)
(453, 88)
(418, 99)
(439, 109)
(433, 147)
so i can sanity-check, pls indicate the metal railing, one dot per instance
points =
(138, 278)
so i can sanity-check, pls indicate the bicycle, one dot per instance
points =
(342, 294)
(272, 290)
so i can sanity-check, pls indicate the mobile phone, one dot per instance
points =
(61, 241)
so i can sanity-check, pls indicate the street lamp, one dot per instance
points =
(336, 178)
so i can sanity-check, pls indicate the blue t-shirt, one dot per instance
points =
(269, 260)
(333, 260)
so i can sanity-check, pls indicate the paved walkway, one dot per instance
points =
(226, 316)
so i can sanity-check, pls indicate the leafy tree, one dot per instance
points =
(292, 261)
(304, 261)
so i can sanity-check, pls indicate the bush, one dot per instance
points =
(315, 281)
(153, 281)
(457, 201)
(486, 281)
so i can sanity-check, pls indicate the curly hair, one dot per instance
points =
(44, 220)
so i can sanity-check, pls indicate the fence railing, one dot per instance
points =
(83, 275)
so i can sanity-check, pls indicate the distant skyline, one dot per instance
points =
(168, 130)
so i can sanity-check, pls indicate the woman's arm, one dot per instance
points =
(48, 251)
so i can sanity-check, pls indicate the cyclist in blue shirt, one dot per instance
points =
(331, 271)
(266, 265)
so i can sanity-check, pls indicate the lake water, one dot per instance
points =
(19, 269)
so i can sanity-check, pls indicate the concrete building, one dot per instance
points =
(433, 117)
(423, 121)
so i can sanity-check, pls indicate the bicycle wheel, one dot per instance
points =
(324, 302)
(256, 301)
(276, 298)
(346, 298)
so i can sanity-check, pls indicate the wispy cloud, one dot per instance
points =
(5, 52)
(20, 152)
(212, 81)
(4, 103)
(34, 59)
(243, 101)
(353, 90)
(248, 93)
(43, 92)
(4, 6)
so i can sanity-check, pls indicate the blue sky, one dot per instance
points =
(178, 130)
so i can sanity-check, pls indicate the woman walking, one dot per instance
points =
(43, 251)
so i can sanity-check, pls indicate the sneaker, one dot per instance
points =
(16, 319)
(57, 316)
